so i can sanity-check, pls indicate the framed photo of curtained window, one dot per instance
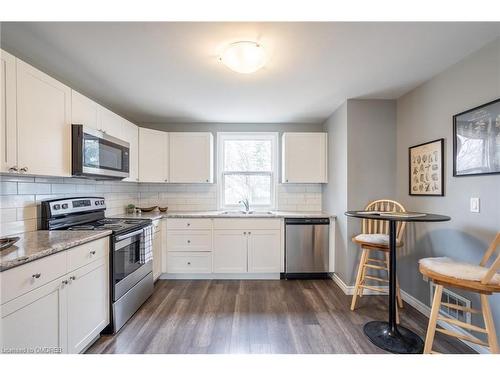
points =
(476, 140)
(426, 168)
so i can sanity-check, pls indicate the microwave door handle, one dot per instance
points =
(128, 235)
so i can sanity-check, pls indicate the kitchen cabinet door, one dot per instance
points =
(8, 122)
(43, 123)
(110, 122)
(84, 111)
(264, 251)
(304, 158)
(191, 157)
(230, 251)
(156, 254)
(153, 155)
(36, 320)
(87, 304)
(130, 134)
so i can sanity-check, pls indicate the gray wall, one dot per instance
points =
(423, 115)
(362, 150)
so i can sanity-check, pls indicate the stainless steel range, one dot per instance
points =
(131, 270)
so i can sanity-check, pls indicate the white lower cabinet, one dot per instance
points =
(64, 314)
(36, 320)
(264, 251)
(87, 304)
(189, 262)
(157, 245)
(230, 251)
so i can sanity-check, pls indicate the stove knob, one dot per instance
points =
(102, 202)
(96, 203)
(64, 206)
(56, 206)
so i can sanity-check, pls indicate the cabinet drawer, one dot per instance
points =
(189, 240)
(23, 279)
(84, 254)
(188, 262)
(189, 224)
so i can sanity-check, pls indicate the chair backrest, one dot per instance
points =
(370, 226)
(495, 266)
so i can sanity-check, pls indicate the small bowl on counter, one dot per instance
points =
(163, 209)
(147, 209)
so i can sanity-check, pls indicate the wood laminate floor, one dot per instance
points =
(253, 316)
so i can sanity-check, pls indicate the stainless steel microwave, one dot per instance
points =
(98, 155)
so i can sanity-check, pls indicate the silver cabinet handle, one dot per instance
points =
(207, 179)
(72, 278)
(65, 282)
(189, 263)
(92, 252)
(36, 275)
(249, 232)
(13, 169)
(188, 224)
(24, 169)
(244, 233)
(189, 241)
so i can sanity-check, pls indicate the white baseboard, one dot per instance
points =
(349, 289)
(220, 276)
(417, 305)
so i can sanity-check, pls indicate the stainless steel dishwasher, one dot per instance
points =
(306, 247)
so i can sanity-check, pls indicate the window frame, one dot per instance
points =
(221, 173)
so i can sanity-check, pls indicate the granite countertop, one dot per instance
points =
(223, 214)
(41, 243)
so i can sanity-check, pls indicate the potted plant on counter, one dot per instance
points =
(130, 209)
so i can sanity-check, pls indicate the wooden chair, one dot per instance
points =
(479, 279)
(375, 237)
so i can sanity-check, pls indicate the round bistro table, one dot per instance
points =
(390, 336)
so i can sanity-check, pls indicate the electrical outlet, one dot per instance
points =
(474, 204)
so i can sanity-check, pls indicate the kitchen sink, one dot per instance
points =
(246, 213)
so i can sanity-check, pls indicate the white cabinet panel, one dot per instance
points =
(87, 304)
(304, 158)
(230, 251)
(153, 155)
(8, 123)
(191, 157)
(264, 251)
(189, 240)
(156, 254)
(84, 111)
(130, 134)
(110, 122)
(43, 123)
(37, 319)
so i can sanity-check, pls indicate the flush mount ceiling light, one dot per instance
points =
(244, 57)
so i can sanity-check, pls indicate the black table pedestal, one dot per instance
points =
(388, 335)
(400, 340)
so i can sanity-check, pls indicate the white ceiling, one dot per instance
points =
(168, 72)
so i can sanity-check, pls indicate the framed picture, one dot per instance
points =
(426, 168)
(476, 141)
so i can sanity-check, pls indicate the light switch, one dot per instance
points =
(474, 205)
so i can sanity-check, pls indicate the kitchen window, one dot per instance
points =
(247, 169)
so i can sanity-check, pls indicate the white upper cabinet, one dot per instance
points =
(110, 122)
(8, 124)
(191, 157)
(153, 155)
(84, 111)
(304, 158)
(43, 123)
(130, 134)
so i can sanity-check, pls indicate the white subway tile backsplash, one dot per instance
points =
(8, 188)
(24, 188)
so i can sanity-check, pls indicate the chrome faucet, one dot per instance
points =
(246, 204)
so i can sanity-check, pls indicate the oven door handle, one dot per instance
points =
(128, 235)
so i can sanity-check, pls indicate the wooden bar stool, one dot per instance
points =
(480, 279)
(375, 237)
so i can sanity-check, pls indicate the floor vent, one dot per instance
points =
(454, 299)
